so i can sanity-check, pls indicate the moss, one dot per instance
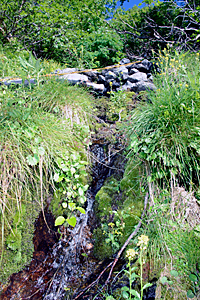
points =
(18, 244)
(119, 202)
(104, 198)
(102, 250)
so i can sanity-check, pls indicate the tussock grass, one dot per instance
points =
(165, 131)
(37, 125)
(164, 135)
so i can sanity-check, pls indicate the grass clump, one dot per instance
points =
(164, 135)
(45, 131)
(164, 132)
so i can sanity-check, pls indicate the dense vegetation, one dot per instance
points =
(46, 129)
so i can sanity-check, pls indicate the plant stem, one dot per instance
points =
(130, 281)
(141, 282)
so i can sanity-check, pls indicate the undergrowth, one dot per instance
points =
(164, 134)
(45, 134)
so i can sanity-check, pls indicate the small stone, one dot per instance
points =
(124, 61)
(133, 71)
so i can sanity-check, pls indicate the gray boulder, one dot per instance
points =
(115, 85)
(109, 76)
(139, 76)
(96, 87)
(145, 85)
(147, 64)
(128, 86)
(75, 78)
(93, 75)
(124, 61)
(120, 70)
(133, 71)
(124, 77)
(101, 79)
(65, 71)
(140, 67)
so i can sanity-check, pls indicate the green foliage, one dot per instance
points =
(156, 24)
(128, 292)
(14, 63)
(69, 207)
(68, 31)
(44, 141)
(119, 207)
(119, 105)
(164, 133)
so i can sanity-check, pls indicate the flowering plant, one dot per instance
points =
(131, 254)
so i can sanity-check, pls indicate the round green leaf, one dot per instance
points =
(82, 210)
(71, 205)
(163, 279)
(80, 191)
(193, 277)
(64, 205)
(190, 294)
(59, 221)
(32, 160)
(174, 273)
(71, 221)
(40, 151)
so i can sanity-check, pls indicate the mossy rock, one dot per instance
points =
(104, 198)
(117, 204)
(102, 250)
(14, 239)
(18, 245)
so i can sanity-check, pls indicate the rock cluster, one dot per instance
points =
(134, 77)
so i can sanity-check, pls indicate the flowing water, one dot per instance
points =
(60, 268)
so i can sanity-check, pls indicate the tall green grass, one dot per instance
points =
(164, 134)
(38, 125)
(165, 131)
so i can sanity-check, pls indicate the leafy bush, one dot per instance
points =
(69, 32)
(156, 24)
